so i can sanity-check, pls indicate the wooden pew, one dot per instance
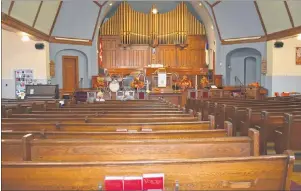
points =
(231, 173)
(50, 150)
(255, 116)
(131, 135)
(104, 112)
(235, 111)
(287, 133)
(102, 127)
(6, 109)
(98, 115)
(210, 105)
(269, 123)
(117, 105)
(94, 119)
(114, 109)
(244, 118)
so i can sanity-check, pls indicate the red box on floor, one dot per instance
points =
(132, 183)
(114, 183)
(153, 182)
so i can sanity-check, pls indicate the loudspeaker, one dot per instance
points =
(39, 46)
(278, 44)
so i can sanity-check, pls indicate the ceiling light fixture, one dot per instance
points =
(299, 37)
(71, 39)
(155, 11)
(200, 4)
(25, 38)
(212, 27)
(111, 4)
(245, 38)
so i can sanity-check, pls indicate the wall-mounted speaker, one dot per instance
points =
(39, 46)
(278, 44)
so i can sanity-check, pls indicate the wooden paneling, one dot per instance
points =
(139, 56)
(109, 52)
(166, 55)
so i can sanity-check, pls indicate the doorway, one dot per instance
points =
(243, 67)
(70, 73)
(249, 70)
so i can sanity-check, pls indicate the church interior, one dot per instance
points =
(151, 95)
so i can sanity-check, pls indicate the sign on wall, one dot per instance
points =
(298, 56)
(263, 66)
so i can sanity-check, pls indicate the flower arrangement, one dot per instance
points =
(100, 82)
(184, 83)
(136, 83)
(254, 84)
(204, 81)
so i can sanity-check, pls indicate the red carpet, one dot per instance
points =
(295, 186)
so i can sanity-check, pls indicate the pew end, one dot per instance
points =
(290, 167)
(229, 128)
(26, 141)
(211, 121)
(199, 116)
(254, 135)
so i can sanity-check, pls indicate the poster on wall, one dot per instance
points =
(23, 77)
(264, 67)
(298, 56)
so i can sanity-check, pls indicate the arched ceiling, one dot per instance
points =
(227, 20)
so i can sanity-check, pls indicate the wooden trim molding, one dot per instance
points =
(11, 7)
(284, 33)
(14, 23)
(97, 19)
(55, 18)
(216, 25)
(272, 36)
(100, 9)
(260, 18)
(261, 39)
(215, 3)
(37, 15)
(66, 40)
(97, 3)
(289, 13)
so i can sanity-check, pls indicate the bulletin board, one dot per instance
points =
(23, 77)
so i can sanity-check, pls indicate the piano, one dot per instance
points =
(42, 91)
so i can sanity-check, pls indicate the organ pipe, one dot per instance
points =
(135, 27)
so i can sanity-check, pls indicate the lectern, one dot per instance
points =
(162, 80)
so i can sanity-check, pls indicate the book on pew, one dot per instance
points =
(146, 130)
(114, 183)
(153, 182)
(132, 183)
(121, 130)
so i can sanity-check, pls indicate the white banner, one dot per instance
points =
(161, 80)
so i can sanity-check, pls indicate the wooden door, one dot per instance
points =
(70, 73)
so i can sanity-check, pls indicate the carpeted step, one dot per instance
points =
(298, 155)
(297, 166)
(271, 150)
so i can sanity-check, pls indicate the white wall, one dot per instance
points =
(17, 54)
(283, 72)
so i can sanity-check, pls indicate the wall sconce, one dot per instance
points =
(25, 38)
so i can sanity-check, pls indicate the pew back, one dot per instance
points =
(234, 173)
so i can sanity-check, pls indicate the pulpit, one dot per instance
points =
(161, 80)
